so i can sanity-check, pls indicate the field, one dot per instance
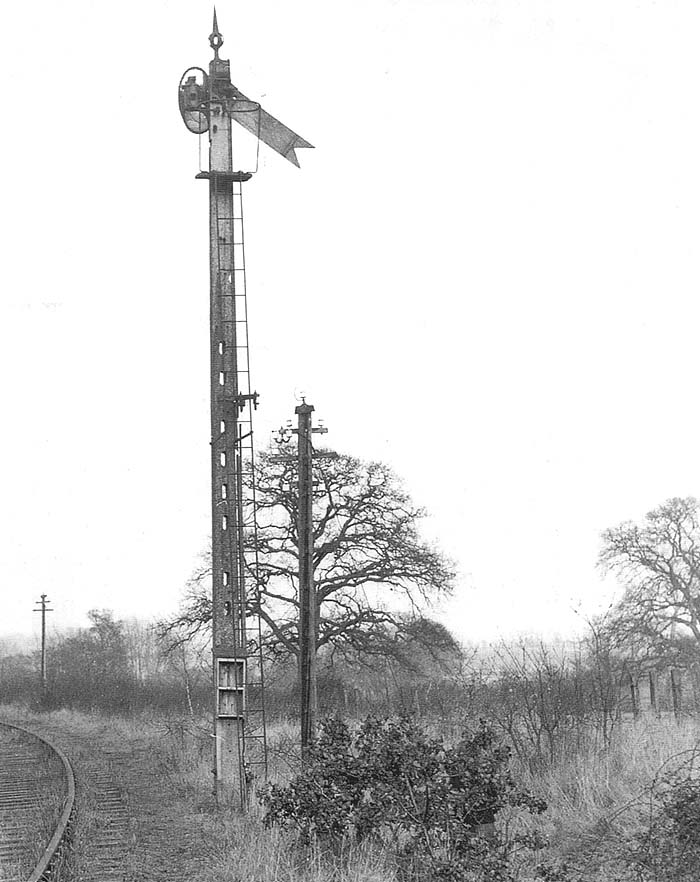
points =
(599, 820)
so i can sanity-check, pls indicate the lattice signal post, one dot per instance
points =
(210, 103)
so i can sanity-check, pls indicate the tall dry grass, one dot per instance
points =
(598, 800)
(602, 801)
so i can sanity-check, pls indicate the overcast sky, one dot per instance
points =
(485, 274)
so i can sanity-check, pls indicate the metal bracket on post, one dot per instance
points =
(240, 400)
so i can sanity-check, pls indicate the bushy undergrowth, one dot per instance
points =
(625, 812)
(667, 842)
(432, 804)
(629, 812)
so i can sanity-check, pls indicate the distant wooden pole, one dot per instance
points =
(652, 691)
(43, 609)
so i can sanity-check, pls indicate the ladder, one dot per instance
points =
(237, 627)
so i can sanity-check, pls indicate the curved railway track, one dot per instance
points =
(37, 801)
(134, 816)
(94, 814)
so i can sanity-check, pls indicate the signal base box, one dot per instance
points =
(230, 688)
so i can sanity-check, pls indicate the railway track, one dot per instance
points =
(132, 820)
(99, 827)
(37, 800)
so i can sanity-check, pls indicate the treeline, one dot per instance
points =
(114, 666)
(546, 698)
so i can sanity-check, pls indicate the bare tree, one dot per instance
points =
(373, 573)
(658, 562)
(604, 671)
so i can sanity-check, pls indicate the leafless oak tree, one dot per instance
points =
(373, 571)
(658, 562)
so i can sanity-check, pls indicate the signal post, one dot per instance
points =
(210, 103)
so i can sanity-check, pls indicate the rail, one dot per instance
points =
(44, 869)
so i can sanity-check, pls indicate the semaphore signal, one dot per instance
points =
(211, 104)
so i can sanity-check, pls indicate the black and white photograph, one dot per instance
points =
(350, 449)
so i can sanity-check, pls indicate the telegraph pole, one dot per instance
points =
(308, 606)
(43, 609)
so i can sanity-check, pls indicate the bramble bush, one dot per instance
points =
(432, 804)
(655, 837)
(670, 847)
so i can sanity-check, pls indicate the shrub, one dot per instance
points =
(670, 848)
(434, 805)
(681, 806)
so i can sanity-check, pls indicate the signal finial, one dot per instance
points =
(215, 39)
